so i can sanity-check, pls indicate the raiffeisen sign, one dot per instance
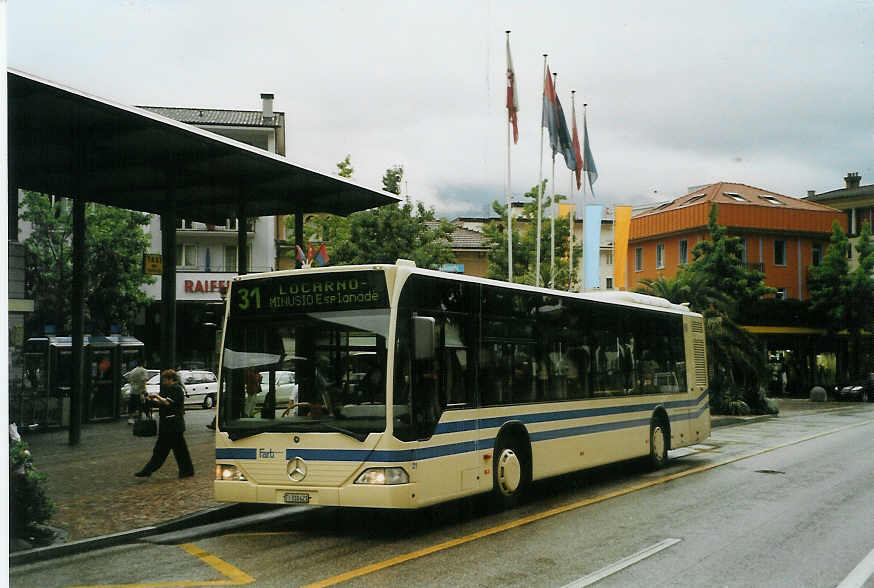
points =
(201, 286)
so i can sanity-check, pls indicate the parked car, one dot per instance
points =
(862, 391)
(201, 387)
(125, 388)
(286, 388)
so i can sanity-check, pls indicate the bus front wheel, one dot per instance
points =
(658, 444)
(510, 472)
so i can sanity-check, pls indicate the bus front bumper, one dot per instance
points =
(355, 495)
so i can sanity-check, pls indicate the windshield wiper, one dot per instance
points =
(235, 434)
(359, 436)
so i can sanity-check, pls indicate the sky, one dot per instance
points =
(770, 93)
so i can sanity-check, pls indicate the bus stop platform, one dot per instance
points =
(101, 503)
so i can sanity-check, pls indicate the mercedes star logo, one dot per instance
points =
(297, 469)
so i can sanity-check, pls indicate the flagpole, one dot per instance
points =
(571, 213)
(585, 181)
(509, 186)
(552, 212)
(540, 183)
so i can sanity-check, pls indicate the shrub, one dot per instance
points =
(28, 503)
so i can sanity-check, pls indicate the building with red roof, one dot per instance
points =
(782, 236)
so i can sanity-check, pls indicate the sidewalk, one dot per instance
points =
(96, 493)
(93, 483)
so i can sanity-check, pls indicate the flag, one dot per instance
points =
(300, 256)
(579, 158)
(311, 252)
(588, 160)
(592, 246)
(512, 98)
(548, 119)
(621, 227)
(322, 256)
(564, 138)
(554, 121)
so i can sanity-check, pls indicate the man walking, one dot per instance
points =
(171, 426)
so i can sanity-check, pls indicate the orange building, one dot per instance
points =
(782, 236)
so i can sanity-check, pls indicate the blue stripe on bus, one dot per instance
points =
(236, 453)
(407, 455)
(381, 455)
(546, 417)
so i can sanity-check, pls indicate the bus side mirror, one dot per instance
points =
(423, 337)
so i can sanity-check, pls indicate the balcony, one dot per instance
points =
(220, 269)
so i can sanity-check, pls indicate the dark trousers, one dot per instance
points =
(168, 440)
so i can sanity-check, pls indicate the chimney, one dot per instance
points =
(267, 105)
(811, 193)
(853, 180)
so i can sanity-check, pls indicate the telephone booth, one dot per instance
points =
(43, 398)
(40, 399)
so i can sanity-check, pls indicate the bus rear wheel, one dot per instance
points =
(208, 402)
(510, 473)
(658, 444)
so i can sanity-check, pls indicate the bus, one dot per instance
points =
(416, 386)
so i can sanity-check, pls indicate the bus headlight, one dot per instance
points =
(228, 473)
(383, 476)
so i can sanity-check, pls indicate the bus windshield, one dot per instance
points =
(305, 372)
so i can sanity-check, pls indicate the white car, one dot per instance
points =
(201, 387)
(125, 388)
(286, 388)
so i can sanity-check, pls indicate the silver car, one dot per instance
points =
(286, 388)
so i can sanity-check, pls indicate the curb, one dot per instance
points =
(211, 515)
(722, 421)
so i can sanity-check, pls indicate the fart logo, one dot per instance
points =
(266, 453)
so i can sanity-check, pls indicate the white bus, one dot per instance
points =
(416, 386)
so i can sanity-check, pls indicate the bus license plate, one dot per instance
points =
(297, 498)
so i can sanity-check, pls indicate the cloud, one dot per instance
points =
(680, 93)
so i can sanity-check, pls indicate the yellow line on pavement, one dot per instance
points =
(235, 576)
(375, 567)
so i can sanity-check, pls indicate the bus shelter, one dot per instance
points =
(89, 149)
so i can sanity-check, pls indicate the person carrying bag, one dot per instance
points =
(171, 428)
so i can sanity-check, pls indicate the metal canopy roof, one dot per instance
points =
(66, 142)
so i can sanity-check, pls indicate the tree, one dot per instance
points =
(725, 281)
(344, 168)
(387, 233)
(391, 180)
(845, 297)
(115, 243)
(525, 243)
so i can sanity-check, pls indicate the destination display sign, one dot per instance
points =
(310, 293)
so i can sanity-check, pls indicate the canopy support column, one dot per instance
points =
(77, 303)
(168, 282)
(242, 240)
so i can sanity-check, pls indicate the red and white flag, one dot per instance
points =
(577, 151)
(512, 97)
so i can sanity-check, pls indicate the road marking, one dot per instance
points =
(234, 575)
(622, 564)
(375, 567)
(860, 573)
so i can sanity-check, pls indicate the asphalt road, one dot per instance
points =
(783, 502)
